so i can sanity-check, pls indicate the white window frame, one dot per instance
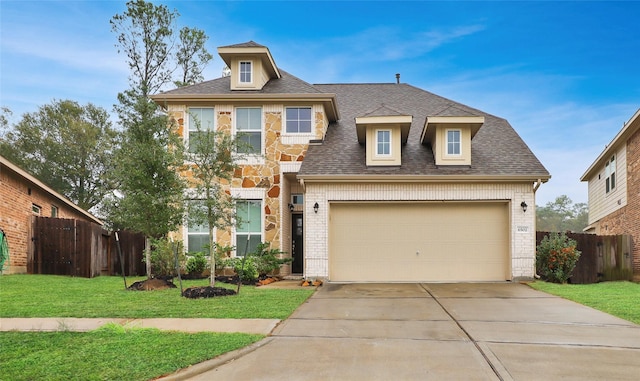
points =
(610, 175)
(452, 144)
(298, 120)
(192, 127)
(242, 73)
(387, 143)
(240, 246)
(260, 130)
(54, 211)
(36, 209)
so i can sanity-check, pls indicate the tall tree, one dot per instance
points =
(147, 166)
(213, 154)
(562, 215)
(67, 146)
(192, 56)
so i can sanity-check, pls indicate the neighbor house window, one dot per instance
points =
(249, 129)
(454, 142)
(383, 142)
(298, 119)
(54, 211)
(249, 230)
(245, 71)
(201, 120)
(197, 234)
(36, 209)
(610, 174)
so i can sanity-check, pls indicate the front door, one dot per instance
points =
(297, 252)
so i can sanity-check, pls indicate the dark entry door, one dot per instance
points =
(297, 249)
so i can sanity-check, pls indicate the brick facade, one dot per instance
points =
(18, 195)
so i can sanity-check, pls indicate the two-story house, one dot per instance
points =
(614, 188)
(368, 182)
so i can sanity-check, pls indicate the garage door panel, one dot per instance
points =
(419, 242)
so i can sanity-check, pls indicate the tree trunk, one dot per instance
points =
(212, 257)
(147, 255)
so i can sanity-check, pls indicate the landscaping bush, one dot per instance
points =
(244, 267)
(259, 263)
(163, 262)
(196, 264)
(556, 257)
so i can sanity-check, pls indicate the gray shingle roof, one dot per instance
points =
(496, 150)
(288, 84)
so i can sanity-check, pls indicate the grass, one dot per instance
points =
(621, 299)
(113, 352)
(109, 353)
(60, 296)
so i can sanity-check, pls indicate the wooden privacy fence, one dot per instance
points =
(603, 258)
(81, 248)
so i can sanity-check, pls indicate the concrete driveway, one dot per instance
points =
(468, 331)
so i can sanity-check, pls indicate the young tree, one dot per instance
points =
(152, 152)
(214, 156)
(67, 146)
(562, 215)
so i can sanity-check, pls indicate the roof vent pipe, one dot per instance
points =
(398, 78)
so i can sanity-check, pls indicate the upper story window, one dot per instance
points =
(36, 209)
(610, 174)
(383, 142)
(245, 71)
(298, 119)
(201, 120)
(454, 142)
(249, 129)
(54, 211)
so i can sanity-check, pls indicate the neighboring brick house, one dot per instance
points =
(614, 188)
(368, 182)
(21, 197)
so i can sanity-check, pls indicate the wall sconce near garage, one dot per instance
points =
(316, 207)
(524, 206)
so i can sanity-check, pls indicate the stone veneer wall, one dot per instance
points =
(264, 174)
(626, 220)
(522, 229)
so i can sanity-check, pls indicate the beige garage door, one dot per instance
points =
(410, 242)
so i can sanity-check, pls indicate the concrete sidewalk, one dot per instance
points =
(254, 326)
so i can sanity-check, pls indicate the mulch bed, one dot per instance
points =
(163, 283)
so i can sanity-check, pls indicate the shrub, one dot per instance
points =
(163, 262)
(556, 257)
(196, 264)
(267, 260)
(244, 267)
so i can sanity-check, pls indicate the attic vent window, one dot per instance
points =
(454, 142)
(245, 71)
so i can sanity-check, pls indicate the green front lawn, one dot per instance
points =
(109, 353)
(60, 296)
(113, 352)
(621, 299)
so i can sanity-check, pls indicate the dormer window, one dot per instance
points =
(245, 71)
(454, 142)
(383, 143)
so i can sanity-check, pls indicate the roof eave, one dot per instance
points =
(327, 99)
(629, 129)
(426, 178)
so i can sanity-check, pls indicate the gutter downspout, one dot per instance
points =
(535, 188)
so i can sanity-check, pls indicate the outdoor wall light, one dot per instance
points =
(316, 207)
(291, 207)
(524, 206)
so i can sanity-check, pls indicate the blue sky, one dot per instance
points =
(565, 74)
